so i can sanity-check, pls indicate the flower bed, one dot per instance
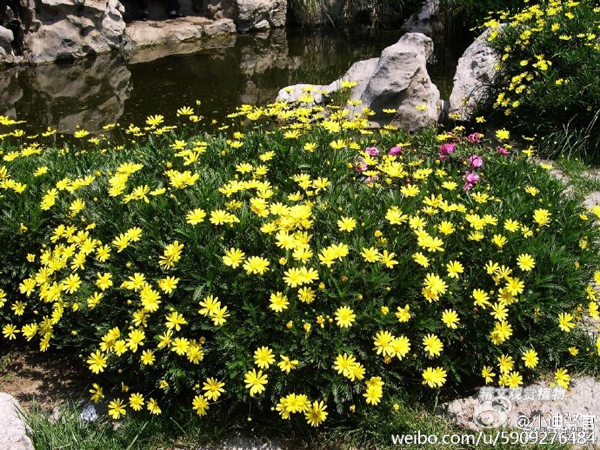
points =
(302, 264)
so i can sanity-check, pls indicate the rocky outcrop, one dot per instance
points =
(71, 29)
(6, 51)
(474, 73)
(255, 15)
(55, 30)
(13, 429)
(167, 33)
(425, 21)
(397, 80)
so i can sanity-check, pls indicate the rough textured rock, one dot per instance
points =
(582, 398)
(218, 9)
(13, 429)
(592, 199)
(72, 29)
(360, 72)
(293, 93)
(425, 21)
(398, 80)
(256, 15)
(6, 38)
(475, 70)
(174, 32)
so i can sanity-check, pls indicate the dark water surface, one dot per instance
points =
(235, 69)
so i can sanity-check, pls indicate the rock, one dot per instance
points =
(592, 199)
(293, 93)
(400, 81)
(256, 15)
(13, 429)
(582, 398)
(6, 38)
(474, 73)
(72, 29)
(174, 32)
(397, 80)
(361, 73)
(425, 21)
(219, 9)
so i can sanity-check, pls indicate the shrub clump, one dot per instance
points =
(548, 73)
(304, 265)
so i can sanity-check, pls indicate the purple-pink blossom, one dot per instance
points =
(502, 151)
(361, 167)
(395, 151)
(475, 161)
(471, 180)
(372, 151)
(474, 138)
(446, 149)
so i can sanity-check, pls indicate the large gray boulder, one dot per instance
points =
(400, 81)
(71, 29)
(13, 429)
(397, 80)
(475, 71)
(256, 15)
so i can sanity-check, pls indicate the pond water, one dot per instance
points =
(223, 73)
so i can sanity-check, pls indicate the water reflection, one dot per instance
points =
(222, 73)
(90, 93)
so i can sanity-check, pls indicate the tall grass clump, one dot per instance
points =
(295, 263)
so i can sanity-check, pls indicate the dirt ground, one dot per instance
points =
(44, 379)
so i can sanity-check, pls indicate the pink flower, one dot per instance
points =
(474, 138)
(471, 180)
(361, 167)
(447, 148)
(368, 180)
(502, 151)
(475, 161)
(395, 150)
(372, 151)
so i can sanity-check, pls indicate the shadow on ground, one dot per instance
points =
(46, 379)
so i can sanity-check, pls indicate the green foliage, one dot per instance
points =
(547, 83)
(473, 13)
(338, 13)
(362, 233)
